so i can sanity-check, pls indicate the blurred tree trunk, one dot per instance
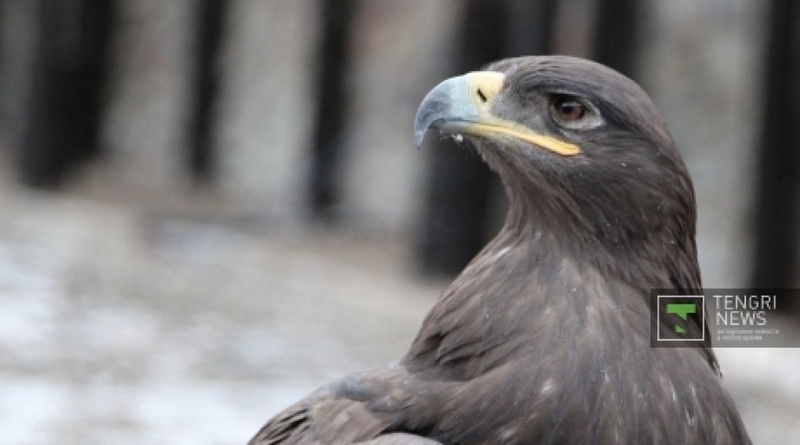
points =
(530, 27)
(68, 77)
(456, 213)
(778, 193)
(336, 18)
(209, 26)
(616, 35)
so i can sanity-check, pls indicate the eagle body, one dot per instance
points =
(545, 336)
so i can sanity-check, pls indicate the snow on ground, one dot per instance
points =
(147, 325)
(122, 325)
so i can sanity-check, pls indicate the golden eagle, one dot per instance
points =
(544, 338)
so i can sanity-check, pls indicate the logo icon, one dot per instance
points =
(682, 310)
(673, 319)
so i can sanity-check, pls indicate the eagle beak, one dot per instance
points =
(463, 104)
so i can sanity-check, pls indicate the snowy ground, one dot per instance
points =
(144, 324)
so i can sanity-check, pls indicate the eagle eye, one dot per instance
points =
(572, 112)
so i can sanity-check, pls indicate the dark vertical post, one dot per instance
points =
(209, 26)
(65, 105)
(616, 35)
(336, 19)
(456, 216)
(530, 27)
(778, 194)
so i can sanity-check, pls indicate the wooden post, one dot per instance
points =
(331, 108)
(68, 77)
(777, 207)
(616, 35)
(456, 221)
(209, 26)
(530, 25)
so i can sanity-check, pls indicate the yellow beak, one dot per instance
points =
(463, 105)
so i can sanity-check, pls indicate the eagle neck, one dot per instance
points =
(665, 257)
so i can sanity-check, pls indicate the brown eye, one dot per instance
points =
(574, 112)
(567, 109)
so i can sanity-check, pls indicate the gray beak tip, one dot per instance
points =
(419, 136)
(445, 102)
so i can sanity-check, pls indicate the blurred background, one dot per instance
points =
(209, 208)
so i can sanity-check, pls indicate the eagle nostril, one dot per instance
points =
(482, 96)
